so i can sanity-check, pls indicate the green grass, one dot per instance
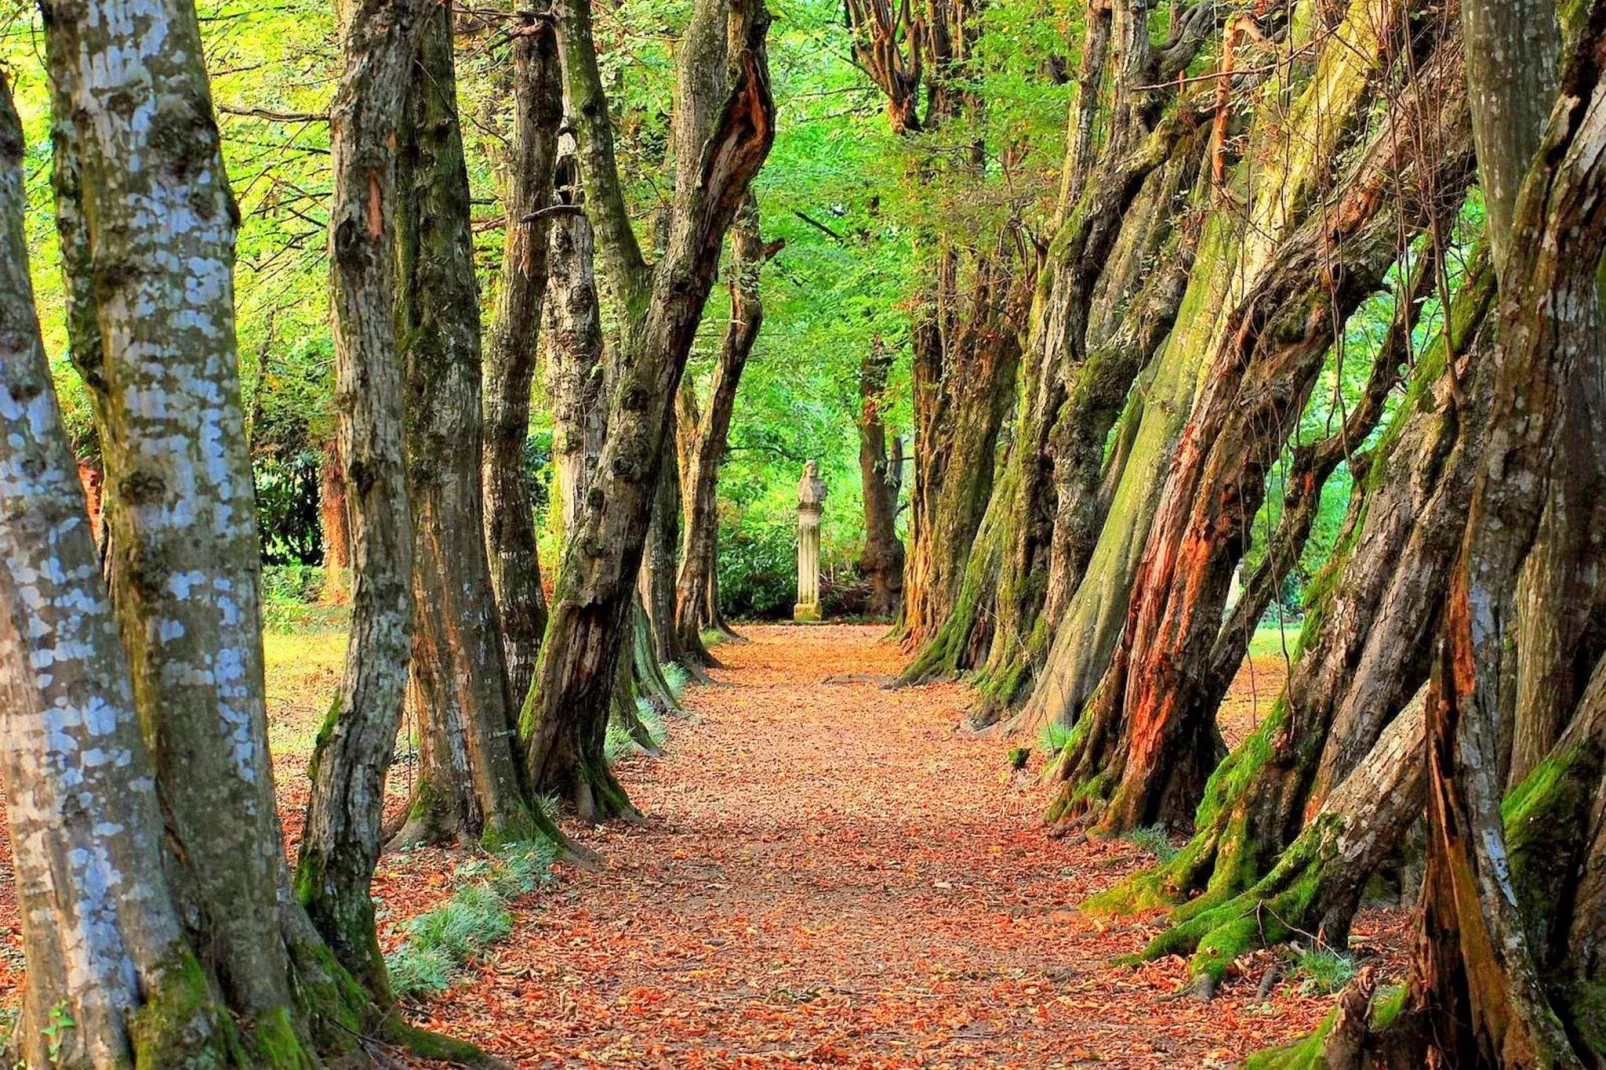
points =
(1153, 839)
(1324, 970)
(1052, 737)
(618, 743)
(440, 942)
(1268, 640)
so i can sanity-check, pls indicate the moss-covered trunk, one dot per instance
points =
(1264, 205)
(1150, 745)
(468, 785)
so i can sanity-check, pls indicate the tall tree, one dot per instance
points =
(469, 786)
(528, 194)
(704, 437)
(150, 204)
(100, 927)
(880, 479)
(723, 128)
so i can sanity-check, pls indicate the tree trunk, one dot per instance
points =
(965, 359)
(1481, 982)
(1307, 120)
(1149, 747)
(723, 129)
(706, 437)
(574, 360)
(468, 787)
(156, 209)
(335, 525)
(510, 539)
(100, 930)
(882, 558)
(658, 571)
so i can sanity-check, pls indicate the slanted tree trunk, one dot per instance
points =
(1109, 230)
(336, 528)
(880, 478)
(100, 929)
(468, 786)
(528, 190)
(1483, 988)
(1148, 743)
(723, 129)
(1308, 118)
(705, 437)
(156, 209)
(1364, 652)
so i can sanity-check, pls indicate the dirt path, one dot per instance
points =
(831, 875)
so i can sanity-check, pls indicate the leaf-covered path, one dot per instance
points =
(831, 874)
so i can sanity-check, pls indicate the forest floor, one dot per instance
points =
(831, 873)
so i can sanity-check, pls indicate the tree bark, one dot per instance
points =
(1237, 243)
(658, 567)
(156, 209)
(469, 787)
(879, 479)
(705, 438)
(723, 129)
(1480, 979)
(528, 190)
(100, 929)
(336, 528)
(1149, 745)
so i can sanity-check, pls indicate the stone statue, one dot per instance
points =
(810, 503)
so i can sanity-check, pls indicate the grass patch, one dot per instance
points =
(618, 742)
(676, 676)
(1324, 970)
(1153, 839)
(440, 942)
(1053, 737)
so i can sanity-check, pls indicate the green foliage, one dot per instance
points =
(618, 742)
(1053, 737)
(676, 676)
(1018, 757)
(440, 941)
(758, 571)
(1324, 970)
(61, 1020)
(1153, 839)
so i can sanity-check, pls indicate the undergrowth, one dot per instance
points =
(618, 743)
(1053, 737)
(1325, 970)
(1153, 839)
(440, 942)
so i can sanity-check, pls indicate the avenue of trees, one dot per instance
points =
(1126, 317)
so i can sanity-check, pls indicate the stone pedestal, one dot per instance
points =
(810, 504)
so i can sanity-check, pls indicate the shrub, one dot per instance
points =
(1325, 970)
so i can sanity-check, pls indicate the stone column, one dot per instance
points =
(810, 504)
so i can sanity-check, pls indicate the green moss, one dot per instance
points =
(272, 1041)
(180, 1023)
(1303, 1054)
(1387, 1005)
